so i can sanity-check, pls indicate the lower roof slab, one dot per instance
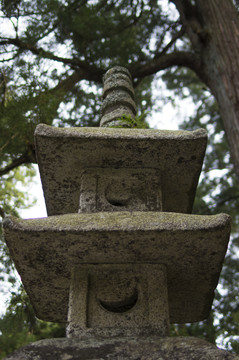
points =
(192, 247)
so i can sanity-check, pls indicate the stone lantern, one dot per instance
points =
(119, 256)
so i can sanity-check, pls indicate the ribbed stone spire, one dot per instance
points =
(118, 98)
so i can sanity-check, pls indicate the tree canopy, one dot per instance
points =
(53, 56)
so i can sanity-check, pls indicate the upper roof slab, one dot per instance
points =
(63, 154)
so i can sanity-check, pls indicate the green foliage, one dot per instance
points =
(138, 122)
(122, 29)
(203, 329)
(19, 326)
(121, 33)
(12, 199)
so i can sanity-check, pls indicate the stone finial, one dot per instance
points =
(118, 98)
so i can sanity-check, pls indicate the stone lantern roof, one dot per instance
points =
(172, 159)
(191, 247)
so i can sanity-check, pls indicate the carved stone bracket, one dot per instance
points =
(124, 189)
(118, 299)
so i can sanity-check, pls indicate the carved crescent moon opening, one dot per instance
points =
(120, 306)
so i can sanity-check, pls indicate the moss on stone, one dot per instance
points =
(128, 221)
(102, 132)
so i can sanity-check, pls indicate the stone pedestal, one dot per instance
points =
(133, 348)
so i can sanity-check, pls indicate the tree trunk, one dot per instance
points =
(213, 28)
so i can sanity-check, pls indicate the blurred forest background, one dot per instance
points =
(53, 54)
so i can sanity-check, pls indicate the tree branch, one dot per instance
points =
(23, 159)
(177, 58)
(2, 212)
(59, 92)
(68, 83)
(171, 42)
(191, 20)
(184, 6)
(91, 69)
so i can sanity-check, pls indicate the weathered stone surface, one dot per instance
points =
(120, 190)
(65, 154)
(178, 348)
(118, 95)
(115, 71)
(117, 82)
(111, 119)
(118, 299)
(192, 248)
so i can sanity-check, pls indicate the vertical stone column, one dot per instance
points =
(118, 299)
(118, 98)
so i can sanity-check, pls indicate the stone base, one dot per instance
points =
(176, 348)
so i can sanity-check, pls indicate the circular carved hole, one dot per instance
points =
(118, 194)
(120, 306)
(117, 203)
